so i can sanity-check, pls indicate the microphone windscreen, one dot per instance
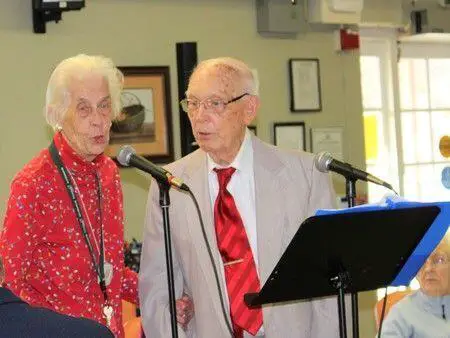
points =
(322, 160)
(124, 154)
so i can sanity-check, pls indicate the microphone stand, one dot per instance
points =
(164, 202)
(350, 191)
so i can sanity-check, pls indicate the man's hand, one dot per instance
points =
(185, 310)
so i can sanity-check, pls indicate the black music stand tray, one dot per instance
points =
(343, 253)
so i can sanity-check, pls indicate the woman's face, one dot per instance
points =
(434, 275)
(88, 118)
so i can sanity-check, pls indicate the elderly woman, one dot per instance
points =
(62, 240)
(425, 313)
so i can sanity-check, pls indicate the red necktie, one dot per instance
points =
(239, 265)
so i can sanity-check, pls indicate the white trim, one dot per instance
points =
(420, 50)
(441, 38)
(382, 43)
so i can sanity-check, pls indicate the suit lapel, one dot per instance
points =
(269, 210)
(269, 217)
(197, 178)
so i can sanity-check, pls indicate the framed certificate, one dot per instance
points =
(330, 139)
(304, 78)
(290, 135)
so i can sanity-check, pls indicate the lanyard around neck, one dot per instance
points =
(100, 266)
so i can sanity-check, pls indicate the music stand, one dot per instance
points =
(348, 252)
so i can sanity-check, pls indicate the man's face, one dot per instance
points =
(434, 275)
(219, 132)
(88, 118)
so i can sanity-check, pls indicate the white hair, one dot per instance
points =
(57, 98)
(235, 69)
(444, 244)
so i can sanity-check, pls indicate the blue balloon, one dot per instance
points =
(446, 177)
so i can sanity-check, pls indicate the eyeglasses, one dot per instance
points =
(216, 106)
(437, 260)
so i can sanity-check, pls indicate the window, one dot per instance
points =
(413, 93)
(425, 117)
(378, 50)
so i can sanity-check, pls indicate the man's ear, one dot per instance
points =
(251, 109)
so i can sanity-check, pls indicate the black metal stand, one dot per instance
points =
(350, 190)
(320, 262)
(164, 202)
(340, 282)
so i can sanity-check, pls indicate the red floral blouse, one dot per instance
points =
(47, 262)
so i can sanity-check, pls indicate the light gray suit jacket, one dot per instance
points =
(288, 189)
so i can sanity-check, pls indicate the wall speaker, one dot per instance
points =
(186, 62)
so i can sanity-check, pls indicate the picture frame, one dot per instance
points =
(290, 135)
(329, 139)
(253, 129)
(304, 85)
(145, 122)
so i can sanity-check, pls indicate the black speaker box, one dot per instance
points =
(186, 62)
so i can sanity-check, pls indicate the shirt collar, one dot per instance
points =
(71, 159)
(243, 162)
(433, 302)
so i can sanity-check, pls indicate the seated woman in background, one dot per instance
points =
(425, 313)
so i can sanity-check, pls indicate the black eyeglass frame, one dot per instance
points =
(183, 102)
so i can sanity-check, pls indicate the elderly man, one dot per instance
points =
(425, 313)
(252, 196)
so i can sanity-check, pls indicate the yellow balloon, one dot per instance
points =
(444, 146)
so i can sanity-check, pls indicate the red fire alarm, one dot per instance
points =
(346, 39)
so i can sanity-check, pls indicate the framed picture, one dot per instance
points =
(252, 129)
(290, 135)
(145, 122)
(330, 139)
(304, 80)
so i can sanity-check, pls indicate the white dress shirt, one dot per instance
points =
(242, 188)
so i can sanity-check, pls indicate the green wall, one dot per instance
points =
(144, 32)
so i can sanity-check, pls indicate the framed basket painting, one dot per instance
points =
(145, 122)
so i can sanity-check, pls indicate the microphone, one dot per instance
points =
(127, 157)
(324, 162)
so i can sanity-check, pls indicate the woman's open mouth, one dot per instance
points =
(100, 139)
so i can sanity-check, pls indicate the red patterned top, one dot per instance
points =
(47, 261)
